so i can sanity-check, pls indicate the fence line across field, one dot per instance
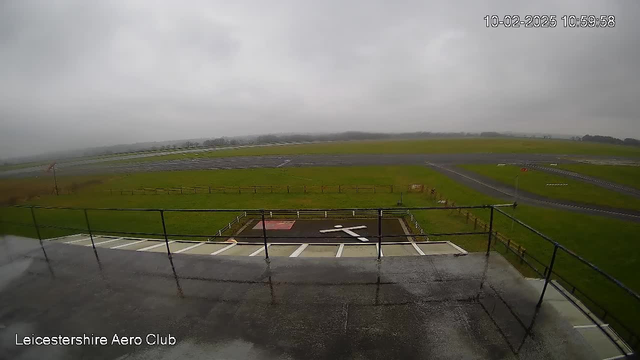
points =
(264, 189)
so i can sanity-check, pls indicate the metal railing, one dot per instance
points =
(630, 337)
(548, 272)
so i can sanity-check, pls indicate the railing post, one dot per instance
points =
(490, 230)
(86, 218)
(164, 231)
(379, 234)
(35, 224)
(264, 234)
(549, 272)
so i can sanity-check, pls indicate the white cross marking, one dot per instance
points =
(348, 231)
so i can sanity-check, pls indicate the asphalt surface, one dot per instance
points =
(591, 180)
(426, 307)
(274, 161)
(445, 163)
(497, 189)
(303, 231)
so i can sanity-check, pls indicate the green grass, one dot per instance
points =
(621, 174)
(608, 243)
(535, 181)
(429, 146)
(380, 175)
(24, 165)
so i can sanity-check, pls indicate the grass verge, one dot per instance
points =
(535, 182)
(621, 174)
(608, 243)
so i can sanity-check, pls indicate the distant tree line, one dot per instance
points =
(611, 140)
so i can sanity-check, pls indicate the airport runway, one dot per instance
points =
(273, 161)
(499, 190)
(444, 163)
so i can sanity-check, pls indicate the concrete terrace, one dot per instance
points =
(440, 307)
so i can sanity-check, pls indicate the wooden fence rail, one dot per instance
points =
(270, 189)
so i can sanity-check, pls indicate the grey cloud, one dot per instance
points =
(90, 73)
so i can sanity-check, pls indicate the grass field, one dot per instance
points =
(621, 174)
(608, 243)
(430, 146)
(535, 182)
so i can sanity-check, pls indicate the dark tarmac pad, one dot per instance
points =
(303, 229)
(424, 307)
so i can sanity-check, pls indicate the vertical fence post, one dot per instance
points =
(35, 224)
(86, 218)
(549, 272)
(264, 235)
(287, 189)
(209, 189)
(490, 231)
(164, 231)
(379, 234)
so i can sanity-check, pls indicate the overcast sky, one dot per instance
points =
(89, 73)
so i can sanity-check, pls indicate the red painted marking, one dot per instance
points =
(524, 169)
(275, 225)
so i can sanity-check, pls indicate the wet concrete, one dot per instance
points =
(423, 307)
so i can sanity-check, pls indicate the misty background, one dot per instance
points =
(79, 74)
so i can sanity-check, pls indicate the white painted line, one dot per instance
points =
(415, 246)
(589, 326)
(340, 249)
(343, 229)
(617, 357)
(462, 251)
(188, 248)
(363, 239)
(75, 241)
(257, 252)
(162, 243)
(63, 237)
(129, 244)
(223, 249)
(106, 242)
(284, 163)
(299, 250)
